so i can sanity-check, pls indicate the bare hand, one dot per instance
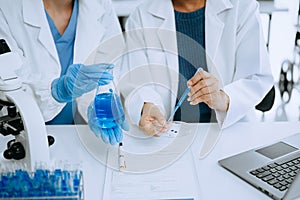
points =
(205, 88)
(152, 120)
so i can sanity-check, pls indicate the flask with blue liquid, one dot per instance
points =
(106, 115)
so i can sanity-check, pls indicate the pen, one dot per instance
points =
(182, 98)
(122, 163)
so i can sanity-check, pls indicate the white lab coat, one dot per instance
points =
(236, 54)
(23, 24)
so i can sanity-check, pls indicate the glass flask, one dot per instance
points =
(106, 113)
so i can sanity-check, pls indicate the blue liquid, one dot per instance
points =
(108, 110)
(41, 183)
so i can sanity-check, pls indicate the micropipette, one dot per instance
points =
(182, 98)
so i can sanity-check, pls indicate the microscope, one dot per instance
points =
(21, 116)
(28, 173)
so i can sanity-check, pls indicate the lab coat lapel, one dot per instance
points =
(35, 16)
(90, 30)
(166, 30)
(214, 25)
(163, 13)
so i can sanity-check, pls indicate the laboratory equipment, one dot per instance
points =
(122, 162)
(60, 183)
(290, 69)
(21, 116)
(182, 98)
(106, 115)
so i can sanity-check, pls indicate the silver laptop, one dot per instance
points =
(272, 169)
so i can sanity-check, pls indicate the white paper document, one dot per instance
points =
(176, 181)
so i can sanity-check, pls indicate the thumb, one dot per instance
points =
(105, 66)
(160, 118)
(125, 125)
(96, 68)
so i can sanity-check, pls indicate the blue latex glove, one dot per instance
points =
(80, 79)
(106, 118)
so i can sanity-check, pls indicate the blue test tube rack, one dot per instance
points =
(41, 184)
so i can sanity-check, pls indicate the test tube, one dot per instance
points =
(122, 162)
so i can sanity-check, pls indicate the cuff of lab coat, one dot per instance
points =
(135, 101)
(235, 110)
(221, 116)
(49, 107)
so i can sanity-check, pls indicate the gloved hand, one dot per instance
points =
(152, 120)
(106, 118)
(80, 79)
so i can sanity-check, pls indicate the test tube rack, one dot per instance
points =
(41, 184)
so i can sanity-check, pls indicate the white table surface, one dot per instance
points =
(218, 183)
(215, 182)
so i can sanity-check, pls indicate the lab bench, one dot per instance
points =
(214, 181)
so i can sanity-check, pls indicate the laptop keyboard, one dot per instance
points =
(279, 175)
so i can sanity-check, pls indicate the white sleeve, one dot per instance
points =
(39, 88)
(253, 77)
(138, 87)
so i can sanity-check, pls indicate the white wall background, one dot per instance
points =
(282, 38)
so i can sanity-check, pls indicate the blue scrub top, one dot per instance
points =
(65, 48)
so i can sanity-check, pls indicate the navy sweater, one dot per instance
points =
(191, 54)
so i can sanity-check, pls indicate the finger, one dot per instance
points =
(168, 125)
(159, 127)
(162, 129)
(125, 125)
(94, 72)
(149, 129)
(75, 68)
(204, 91)
(104, 135)
(95, 129)
(88, 87)
(152, 120)
(118, 134)
(91, 84)
(157, 134)
(198, 86)
(197, 77)
(93, 80)
(160, 122)
(159, 118)
(145, 120)
(94, 75)
(112, 137)
(107, 66)
(98, 76)
(100, 67)
(207, 99)
(206, 82)
(104, 80)
(104, 75)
